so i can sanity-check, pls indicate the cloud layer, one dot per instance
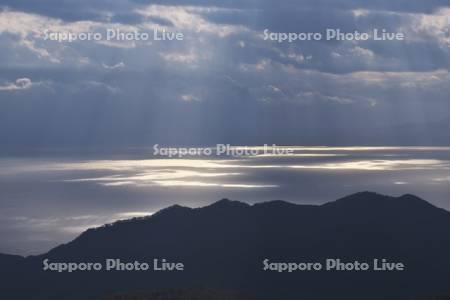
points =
(223, 83)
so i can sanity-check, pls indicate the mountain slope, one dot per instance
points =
(223, 246)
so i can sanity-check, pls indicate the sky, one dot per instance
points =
(223, 83)
(78, 119)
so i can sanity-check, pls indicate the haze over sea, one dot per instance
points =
(50, 199)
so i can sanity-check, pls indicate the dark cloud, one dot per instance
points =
(71, 10)
(224, 82)
(98, 10)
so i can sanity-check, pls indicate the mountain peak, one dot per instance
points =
(364, 194)
(410, 197)
(278, 204)
(365, 198)
(171, 209)
(227, 203)
(376, 202)
(411, 200)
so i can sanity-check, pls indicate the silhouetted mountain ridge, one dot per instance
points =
(224, 244)
(366, 200)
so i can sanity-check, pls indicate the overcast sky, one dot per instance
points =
(223, 83)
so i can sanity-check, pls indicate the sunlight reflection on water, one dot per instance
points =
(49, 200)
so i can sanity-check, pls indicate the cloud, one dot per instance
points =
(101, 10)
(95, 85)
(117, 66)
(190, 98)
(192, 18)
(126, 93)
(190, 58)
(434, 26)
(19, 84)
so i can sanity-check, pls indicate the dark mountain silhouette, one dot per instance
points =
(179, 294)
(223, 246)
